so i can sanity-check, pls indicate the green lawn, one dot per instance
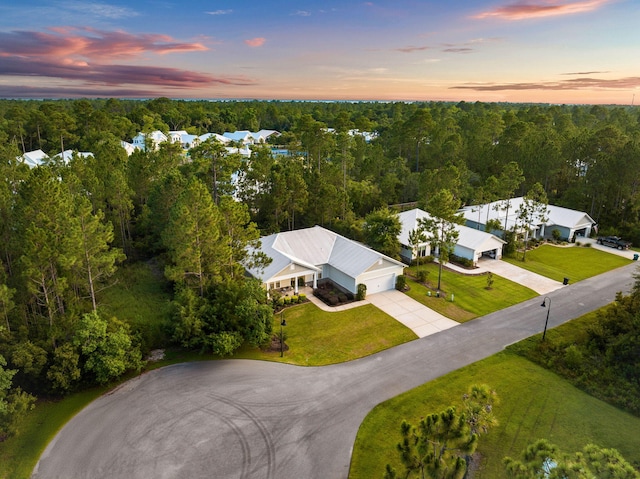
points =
(575, 263)
(471, 296)
(317, 338)
(534, 403)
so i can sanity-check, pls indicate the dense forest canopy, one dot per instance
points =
(66, 227)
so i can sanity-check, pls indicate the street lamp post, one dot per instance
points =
(544, 304)
(282, 323)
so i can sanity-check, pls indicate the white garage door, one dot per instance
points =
(381, 283)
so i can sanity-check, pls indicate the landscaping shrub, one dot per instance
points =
(421, 275)
(401, 283)
(342, 298)
(362, 292)
(467, 263)
(302, 297)
(287, 300)
(295, 299)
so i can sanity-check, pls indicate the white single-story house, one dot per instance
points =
(570, 223)
(310, 254)
(471, 244)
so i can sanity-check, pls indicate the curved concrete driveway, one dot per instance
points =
(251, 419)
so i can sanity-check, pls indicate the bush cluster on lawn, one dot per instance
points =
(464, 262)
(283, 301)
(330, 294)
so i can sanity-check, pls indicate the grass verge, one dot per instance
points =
(534, 403)
(318, 338)
(19, 454)
(574, 263)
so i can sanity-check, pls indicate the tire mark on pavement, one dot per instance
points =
(270, 451)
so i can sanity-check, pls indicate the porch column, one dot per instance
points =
(295, 288)
(315, 280)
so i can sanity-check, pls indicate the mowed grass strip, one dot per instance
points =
(573, 262)
(534, 403)
(318, 338)
(19, 454)
(471, 296)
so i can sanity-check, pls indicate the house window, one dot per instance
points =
(277, 284)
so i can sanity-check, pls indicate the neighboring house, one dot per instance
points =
(128, 147)
(67, 155)
(569, 223)
(245, 151)
(367, 135)
(242, 137)
(34, 158)
(155, 137)
(263, 135)
(310, 254)
(472, 244)
(222, 139)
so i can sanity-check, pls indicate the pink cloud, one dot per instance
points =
(86, 55)
(90, 44)
(411, 49)
(572, 84)
(526, 9)
(95, 73)
(255, 42)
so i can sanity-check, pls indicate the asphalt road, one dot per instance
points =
(251, 419)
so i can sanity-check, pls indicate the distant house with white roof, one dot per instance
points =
(154, 138)
(472, 244)
(310, 254)
(243, 137)
(67, 155)
(263, 136)
(128, 147)
(222, 139)
(569, 223)
(34, 158)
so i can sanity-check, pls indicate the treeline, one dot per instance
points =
(66, 228)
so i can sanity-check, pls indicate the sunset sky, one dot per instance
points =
(549, 51)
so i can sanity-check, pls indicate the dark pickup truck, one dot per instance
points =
(614, 242)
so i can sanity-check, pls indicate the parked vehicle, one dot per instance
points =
(613, 242)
